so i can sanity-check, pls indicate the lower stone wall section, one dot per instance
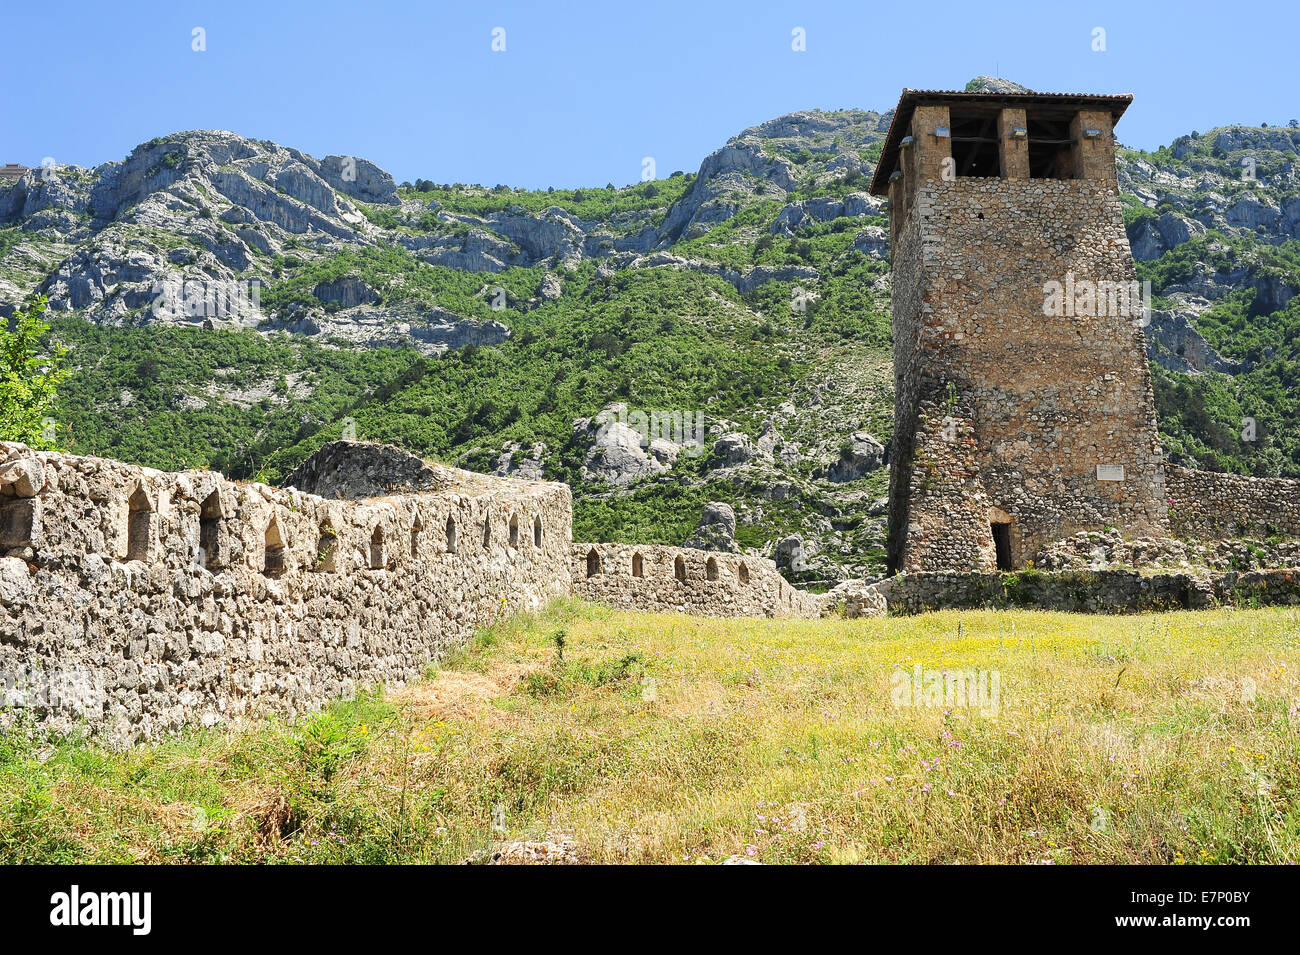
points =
(1086, 591)
(708, 583)
(948, 510)
(1206, 505)
(1110, 550)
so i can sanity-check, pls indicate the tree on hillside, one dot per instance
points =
(30, 374)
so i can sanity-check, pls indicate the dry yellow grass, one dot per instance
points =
(661, 738)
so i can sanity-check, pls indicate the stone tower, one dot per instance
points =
(1023, 405)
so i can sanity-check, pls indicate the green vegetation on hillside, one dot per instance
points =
(1203, 417)
(657, 338)
(625, 209)
(176, 398)
(253, 404)
(398, 277)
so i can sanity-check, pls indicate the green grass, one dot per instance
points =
(1163, 738)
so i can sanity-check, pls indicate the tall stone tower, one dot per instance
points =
(1023, 405)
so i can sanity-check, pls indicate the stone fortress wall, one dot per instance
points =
(1204, 505)
(135, 601)
(706, 583)
(140, 600)
(1089, 591)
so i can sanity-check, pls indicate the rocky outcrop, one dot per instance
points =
(551, 287)
(727, 177)
(745, 280)
(872, 241)
(431, 331)
(1152, 238)
(233, 204)
(735, 447)
(554, 234)
(1273, 293)
(616, 454)
(716, 530)
(861, 455)
(346, 292)
(855, 206)
(513, 462)
(64, 189)
(994, 84)
(1202, 189)
(355, 177)
(1173, 343)
(789, 554)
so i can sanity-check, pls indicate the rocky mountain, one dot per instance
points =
(713, 343)
(1235, 182)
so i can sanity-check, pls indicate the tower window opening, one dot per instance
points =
(1050, 149)
(975, 144)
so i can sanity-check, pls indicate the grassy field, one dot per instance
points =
(1168, 738)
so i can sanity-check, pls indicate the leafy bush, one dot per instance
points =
(31, 370)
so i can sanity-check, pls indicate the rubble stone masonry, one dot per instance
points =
(1204, 505)
(1023, 407)
(1089, 591)
(135, 601)
(706, 583)
(1004, 413)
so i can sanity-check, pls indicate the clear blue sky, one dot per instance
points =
(584, 90)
